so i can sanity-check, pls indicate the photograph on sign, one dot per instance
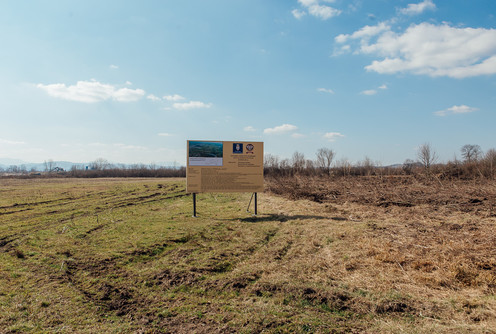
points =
(238, 148)
(228, 166)
(201, 153)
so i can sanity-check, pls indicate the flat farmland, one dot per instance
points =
(351, 255)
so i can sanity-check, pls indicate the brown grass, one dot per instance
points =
(363, 255)
(423, 248)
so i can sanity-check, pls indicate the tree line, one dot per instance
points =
(98, 168)
(474, 164)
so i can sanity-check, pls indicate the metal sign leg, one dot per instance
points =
(255, 204)
(194, 205)
(249, 203)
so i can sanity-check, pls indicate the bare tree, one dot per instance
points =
(298, 161)
(271, 161)
(471, 153)
(285, 164)
(366, 166)
(490, 160)
(309, 165)
(408, 166)
(491, 156)
(49, 165)
(344, 166)
(324, 159)
(426, 155)
(100, 164)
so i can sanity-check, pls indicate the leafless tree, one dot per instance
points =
(426, 155)
(408, 166)
(491, 156)
(285, 164)
(490, 160)
(100, 164)
(471, 153)
(324, 159)
(344, 166)
(49, 165)
(366, 166)
(271, 161)
(310, 166)
(298, 161)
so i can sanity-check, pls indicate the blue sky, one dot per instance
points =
(131, 81)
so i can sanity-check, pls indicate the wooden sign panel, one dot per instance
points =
(224, 166)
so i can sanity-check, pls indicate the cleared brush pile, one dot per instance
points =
(476, 196)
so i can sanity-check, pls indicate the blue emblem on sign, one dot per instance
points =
(238, 148)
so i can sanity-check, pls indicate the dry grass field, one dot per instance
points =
(347, 255)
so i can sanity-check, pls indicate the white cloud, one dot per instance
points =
(418, 8)
(128, 95)
(298, 14)
(314, 8)
(364, 33)
(332, 136)
(191, 105)
(281, 129)
(91, 92)
(462, 109)
(175, 97)
(369, 92)
(11, 142)
(323, 12)
(325, 90)
(153, 98)
(338, 51)
(249, 129)
(374, 91)
(113, 67)
(165, 134)
(297, 135)
(308, 3)
(428, 49)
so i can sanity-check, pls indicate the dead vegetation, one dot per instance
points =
(348, 255)
(430, 241)
(477, 196)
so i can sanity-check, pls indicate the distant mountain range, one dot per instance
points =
(6, 163)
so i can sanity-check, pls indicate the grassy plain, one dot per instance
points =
(126, 255)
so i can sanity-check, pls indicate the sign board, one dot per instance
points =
(224, 166)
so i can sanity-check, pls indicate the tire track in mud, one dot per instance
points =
(241, 279)
(120, 297)
(81, 201)
(125, 299)
(31, 204)
(274, 250)
(110, 205)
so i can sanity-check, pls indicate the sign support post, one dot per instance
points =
(194, 205)
(255, 204)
